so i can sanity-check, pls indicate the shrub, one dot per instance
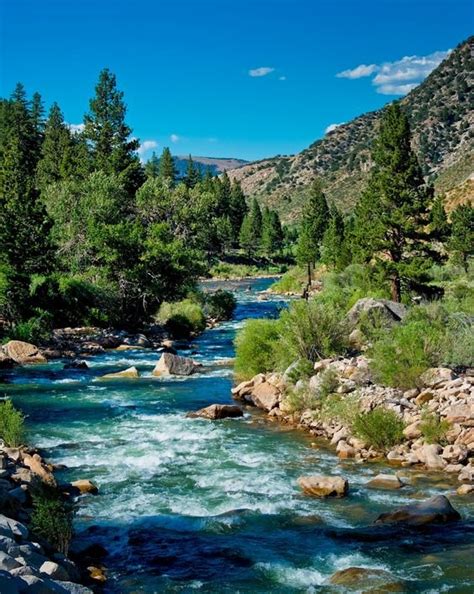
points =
(293, 281)
(12, 421)
(432, 427)
(220, 305)
(303, 369)
(342, 408)
(182, 318)
(255, 347)
(300, 400)
(310, 330)
(380, 428)
(51, 519)
(36, 329)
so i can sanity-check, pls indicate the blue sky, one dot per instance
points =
(247, 78)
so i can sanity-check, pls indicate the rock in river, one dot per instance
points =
(170, 364)
(385, 481)
(131, 372)
(217, 411)
(437, 509)
(23, 352)
(366, 579)
(324, 486)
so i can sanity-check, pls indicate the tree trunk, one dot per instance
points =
(395, 288)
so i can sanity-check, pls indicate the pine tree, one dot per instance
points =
(256, 220)
(193, 175)
(439, 224)
(57, 151)
(223, 190)
(393, 214)
(246, 236)
(168, 171)
(237, 209)
(332, 247)
(462, 234)
(152, 166)
(113, 150)
(272, 233)
(313, 225)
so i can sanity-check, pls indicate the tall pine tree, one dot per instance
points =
(237, 209)
(168, 171)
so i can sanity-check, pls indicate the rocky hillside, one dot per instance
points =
(215, 164)
(441, 115)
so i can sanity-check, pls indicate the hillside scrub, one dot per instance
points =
(51, 518)
(12, 424)
(380, 428)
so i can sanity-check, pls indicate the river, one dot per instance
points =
(188, 505)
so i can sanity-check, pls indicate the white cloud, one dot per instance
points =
(358, 72)
(145, 146)
(262, 71)
(174, 138)
(398, 77)
(332, 127)
(282, 78)
(76, 128)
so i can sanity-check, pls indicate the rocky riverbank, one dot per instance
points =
(28, 562)
(448, 396)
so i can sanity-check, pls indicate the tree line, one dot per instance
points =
(89, 234)
(399, 228)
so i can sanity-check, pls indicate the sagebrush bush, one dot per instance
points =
(341, 408)
(432, 427)
(12, 424)
(220, 305)
(182, 318)
(310, 330)
(380, 427)
(51, 519)
(256, 346)
(300, 400)
(303, 369)
(293, 281)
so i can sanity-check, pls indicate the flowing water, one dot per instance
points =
(189, 505)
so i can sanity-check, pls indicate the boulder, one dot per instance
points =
(436, 375)
(217, 411)
(10, 584)
(76, 364)
(375, 310)
(344, 450)
(324, 486)
(385, 481)
(429, 454)
(130, 373)
(170, 364)
(266, 396)
(6, 362)
(81, 487)
(23, 352)
(437, 509)
(7, 562)
(413, 430)
(12, 528)
(465, 490)
(54, 571)
(366, 579)
(35, 464)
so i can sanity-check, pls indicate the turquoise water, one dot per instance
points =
(188, 505)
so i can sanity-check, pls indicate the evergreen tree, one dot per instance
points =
(193, 175)
(462, 234)
(256, 220)
(393, 214)
(272, 233)
(237, 209)
(168, 171)
(332, 247)
(113, 151)
(313, 225)
(152, 166)
(439, 224)
(57, 152)
(223, 190)
(246, 236)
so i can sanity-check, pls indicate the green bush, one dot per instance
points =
(256, 345)
(303, 369)
(36, 329)
(342, 408)
(310, 330)
(220, 305)
(300, 400)
(182, 318)
(12, 424)
(293, 281)
(380, 428)
(51, 519)
(432, 427)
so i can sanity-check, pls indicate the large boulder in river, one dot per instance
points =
(6, 362)
(324, 486)
(23, 352)
(217, 411)
(376, 310)
(266, 396)
(437, 510)
(170, 364)
(367, 579)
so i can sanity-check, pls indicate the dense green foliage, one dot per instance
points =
(256, 346)
(380, 427)
(220, 305)
(182, 318)
(432, 427)
(51, 518)
(12, 422)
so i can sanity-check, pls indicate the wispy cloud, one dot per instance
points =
(398, 77)
(76, 128)
(358, 72)
(282, 78)
(145, 146)
(332, 127)
(262, 71)
(175, 138)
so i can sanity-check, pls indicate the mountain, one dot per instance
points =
(441, 114)
(215, 164)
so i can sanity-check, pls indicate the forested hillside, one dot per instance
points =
(441, 116)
